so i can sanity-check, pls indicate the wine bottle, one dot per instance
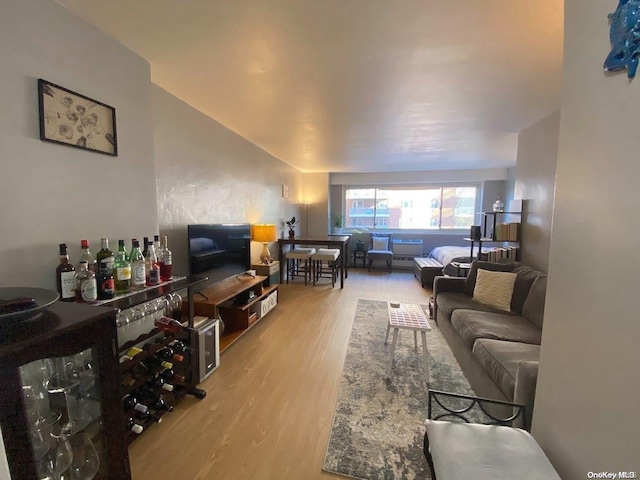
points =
(170, 376)
(121, 270)
(128, 255)
(152, 266)
(170, 325)
(86, 288)
(105, 257)
(165, 260)
(160, 404)
(153, 362)
(131, 403)
(180, 346)
(158, 382)
(146, 416)
(132, 426)
(167, 353)
(138, 274)
(87, 256)
(66, 276)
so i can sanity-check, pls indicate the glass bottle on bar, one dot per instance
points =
(87, 256)
(138, 273)
(105, 257)
(151, 266)
(66, 276)
(146, 247)
(122, 270)
(165, 260)
(86, 288)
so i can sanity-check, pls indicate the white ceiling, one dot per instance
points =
(354, 85)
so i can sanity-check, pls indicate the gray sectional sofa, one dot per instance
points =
(498, 350)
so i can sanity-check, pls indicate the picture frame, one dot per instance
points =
(72, 119)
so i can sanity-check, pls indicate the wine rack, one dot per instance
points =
(140, 341)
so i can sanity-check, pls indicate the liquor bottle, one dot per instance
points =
(158, 382)
(86, 288)
(151, 266)
(165, 259)
(105, 284)
(66, 276)
(87, 256)
(131, 403)
(138, 276)
(170, 325)
(167, 353)
(121, 270)
(132, 426)
(105, 257)
(156, 239)
(133, 242)
(146, 247)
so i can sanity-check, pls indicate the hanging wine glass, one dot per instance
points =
(85, 462)
(176, 306)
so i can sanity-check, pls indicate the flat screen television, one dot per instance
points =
(219, 251)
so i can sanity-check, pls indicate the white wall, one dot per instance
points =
(586, 415)
(208, 174)
(51, 193)
(535, 184)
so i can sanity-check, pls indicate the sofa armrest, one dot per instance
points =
(443, 284)
(525, 389)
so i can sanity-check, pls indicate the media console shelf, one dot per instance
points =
(240, 301)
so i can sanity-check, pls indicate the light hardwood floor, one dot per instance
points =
(269, 407)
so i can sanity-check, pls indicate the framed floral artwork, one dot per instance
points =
(69, 118)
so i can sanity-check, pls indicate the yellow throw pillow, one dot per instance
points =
(494, 289)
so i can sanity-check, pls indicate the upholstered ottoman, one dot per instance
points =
(426, 269)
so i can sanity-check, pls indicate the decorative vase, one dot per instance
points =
(292, 234)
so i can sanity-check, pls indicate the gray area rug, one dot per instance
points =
(378, 427)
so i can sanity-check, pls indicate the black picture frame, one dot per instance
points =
(72, 119)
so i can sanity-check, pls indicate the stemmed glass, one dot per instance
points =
(85, 462)
(66, 378)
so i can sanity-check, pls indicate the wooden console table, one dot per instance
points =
(332, 241)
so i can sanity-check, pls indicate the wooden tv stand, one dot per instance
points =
(240, 301)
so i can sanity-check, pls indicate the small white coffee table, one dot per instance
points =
(408, 316)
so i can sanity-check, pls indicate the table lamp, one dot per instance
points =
(264, 233)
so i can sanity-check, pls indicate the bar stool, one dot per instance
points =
(329, 255)
(293, 262)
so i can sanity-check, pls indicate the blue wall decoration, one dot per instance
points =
(625, 38)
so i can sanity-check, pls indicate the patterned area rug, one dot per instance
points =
(378, 427)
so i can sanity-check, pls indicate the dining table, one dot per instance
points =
(340, 242)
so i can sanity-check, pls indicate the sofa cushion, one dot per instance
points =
(450, 301)
(500, 360)
(470, 281)
(494, 289)
(533, 308)
(472, 325)
(524, 280)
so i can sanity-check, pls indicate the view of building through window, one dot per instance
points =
(411, 208)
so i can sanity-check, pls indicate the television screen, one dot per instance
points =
(219, 251)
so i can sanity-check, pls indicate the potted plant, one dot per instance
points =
(337, 223)
(291, 226)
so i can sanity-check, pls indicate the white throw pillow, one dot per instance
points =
(494, 288)
(380, 243)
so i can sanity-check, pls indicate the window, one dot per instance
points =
(425, 207)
